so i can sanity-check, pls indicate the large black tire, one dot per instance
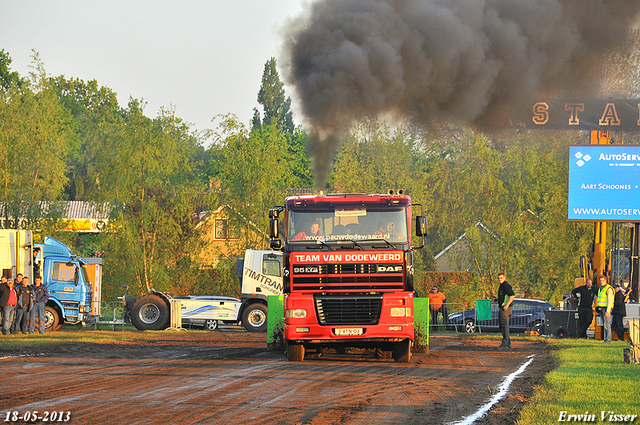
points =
(254, 318)
(402, 351)
(295, 352)
(51, 319)
(150, 313)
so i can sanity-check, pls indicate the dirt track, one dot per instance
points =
(229, 377)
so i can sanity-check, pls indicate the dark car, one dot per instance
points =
(527, 315)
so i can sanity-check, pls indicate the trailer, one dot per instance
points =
(260, 275)
(152, 312)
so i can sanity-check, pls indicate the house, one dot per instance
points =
(220, 239)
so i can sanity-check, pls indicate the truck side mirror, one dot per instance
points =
(273, 228)
(421, 225)
(275, 244)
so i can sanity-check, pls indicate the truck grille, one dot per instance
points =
(348, 309)
(348, 278)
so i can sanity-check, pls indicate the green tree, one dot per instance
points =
(8, 78)
(152, 173)
(36, 137)
(276, 106)
(97, 117)
(374, 159)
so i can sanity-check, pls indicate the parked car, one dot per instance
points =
(527, 315)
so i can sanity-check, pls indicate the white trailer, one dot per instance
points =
(207, 311)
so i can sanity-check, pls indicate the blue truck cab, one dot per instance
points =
(73, 283)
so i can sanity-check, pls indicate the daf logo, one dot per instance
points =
(389, 269)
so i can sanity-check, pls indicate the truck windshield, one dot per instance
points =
(357, 224)
(85, 275)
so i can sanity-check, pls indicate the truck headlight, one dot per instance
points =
(296, 313)
(400, 312)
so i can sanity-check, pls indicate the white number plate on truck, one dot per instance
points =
(349, 331)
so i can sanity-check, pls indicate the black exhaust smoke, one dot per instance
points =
(460, 61)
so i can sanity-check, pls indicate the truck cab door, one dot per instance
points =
(62, 278)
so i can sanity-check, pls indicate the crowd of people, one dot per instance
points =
(609, 301)
(22, 304)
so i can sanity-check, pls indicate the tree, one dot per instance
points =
(374, 159)
(8, 78)
(97, 116)
(156, 187)
(35, 139)
(276, 106)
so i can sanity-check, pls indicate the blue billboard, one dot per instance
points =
(604, 183)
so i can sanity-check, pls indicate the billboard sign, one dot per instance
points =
(604, 183)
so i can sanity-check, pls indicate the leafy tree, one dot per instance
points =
(153, 181)
(97, 116)
(8, 78)
(35, 139)
(253, 169)
(276, 106)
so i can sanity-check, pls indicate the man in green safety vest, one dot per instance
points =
(604, 305)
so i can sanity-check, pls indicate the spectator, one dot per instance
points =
(23, 309)
(585, 295)
(36, 262)
(504, 300)
(40, 297)
(436, 305)
(619, 311)
(8, 301)
(604, 305)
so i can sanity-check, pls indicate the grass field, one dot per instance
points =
(590, 380)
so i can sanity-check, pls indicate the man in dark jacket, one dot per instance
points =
(25, 303)
(585, 295)
(40, 298)
(618, 312)
(504, 300)
(8, 301)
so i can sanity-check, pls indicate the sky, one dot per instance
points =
(201, 57)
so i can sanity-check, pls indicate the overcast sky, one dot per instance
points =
(204, 57)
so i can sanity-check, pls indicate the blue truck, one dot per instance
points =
(74, 283)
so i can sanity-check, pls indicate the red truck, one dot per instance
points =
(348, 271)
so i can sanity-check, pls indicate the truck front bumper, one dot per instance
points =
(395, 322)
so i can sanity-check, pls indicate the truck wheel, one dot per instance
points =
(402, 351)
(295, 352)
(211, 325)
(51, 319)
(254, 318)
(150, 313)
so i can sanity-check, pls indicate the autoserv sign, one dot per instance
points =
(604, 183)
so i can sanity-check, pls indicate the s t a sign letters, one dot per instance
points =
(599, 114)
